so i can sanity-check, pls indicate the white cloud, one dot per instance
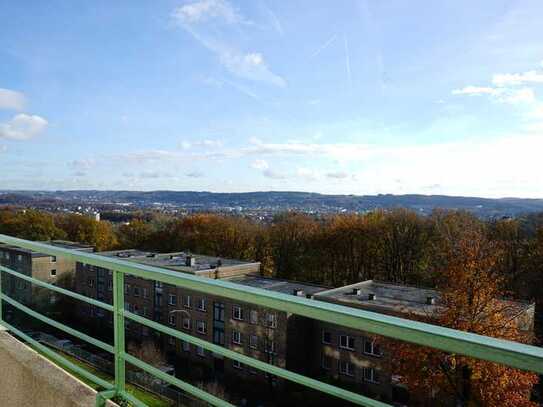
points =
(12, 100)
(269, 173)
(82, 164)
(503, 95)
(524, 95)
(247, 65)
(536, 113)
(475, 90)
(307, 174)
(23, 127)
(337, 175)
(194, 174)
(260, 165)
(209, 143)
(514, 79)
(204, 10)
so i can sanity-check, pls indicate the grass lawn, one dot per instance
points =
(145, 397)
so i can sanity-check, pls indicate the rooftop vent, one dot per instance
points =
(297, 292)
(430, 300)
(356, 291)
(190, 261)
(372, 296)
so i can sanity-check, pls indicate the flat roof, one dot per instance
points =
(278, 285)
(387, 297)
(395, 298)
(177, 261)
(65, 244)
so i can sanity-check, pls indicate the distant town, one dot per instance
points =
(260, 206)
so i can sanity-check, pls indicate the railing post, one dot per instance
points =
(1, 312)
(118, 330)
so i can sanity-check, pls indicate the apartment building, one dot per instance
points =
(358, 358)
(268, 335)
(53, 270)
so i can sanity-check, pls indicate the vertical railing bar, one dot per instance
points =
(118, 330)
(1, 292)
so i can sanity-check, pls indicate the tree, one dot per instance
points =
(29, 224)
(83, 229)
(470, 300)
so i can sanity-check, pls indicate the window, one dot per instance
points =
(53, 259)
(218, 312)
(53, 273)
(254, 316)
(372, 348)
(201, 327)
(158, 284)
(145, 331)
(371, 375)
(187, 302)
(6, 255)
(253, 341)
(326, 337)
(136, 291)
(171, 319)
(271, 320)
(145, 311)
(136, 309)
(236, 337)
(172, 299)
(159, 300)
(127, 288)
(346, 368)
(186, 323)
(19, 257)
(126, 306)
(270, 346)
(237, 313)
(326, 362)
(110, 285)
(236, 364)
(145, 293)
(171, 340)
(201, 304)
(218, 336)
(200, 351)
(90, 282)
(186, 346)
(346, 342)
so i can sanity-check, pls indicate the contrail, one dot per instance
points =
(347, 60)
(324, 46)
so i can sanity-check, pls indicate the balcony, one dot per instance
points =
(512, 354)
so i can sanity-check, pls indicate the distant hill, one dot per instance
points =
(274, 201)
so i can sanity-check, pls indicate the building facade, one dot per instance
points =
(50, 269)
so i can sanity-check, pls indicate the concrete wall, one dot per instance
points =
(28, 379)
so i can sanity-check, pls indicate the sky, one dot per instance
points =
(345, 97)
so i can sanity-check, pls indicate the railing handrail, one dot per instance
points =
(509, 353)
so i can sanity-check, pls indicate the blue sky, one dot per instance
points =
(354, 97)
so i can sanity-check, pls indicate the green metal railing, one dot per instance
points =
(512, 354)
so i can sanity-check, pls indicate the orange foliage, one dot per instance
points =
(469, 302)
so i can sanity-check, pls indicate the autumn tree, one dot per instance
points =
(136, 234)
(29, 224)
(292, 237)
(84, 229)
(471, 300)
